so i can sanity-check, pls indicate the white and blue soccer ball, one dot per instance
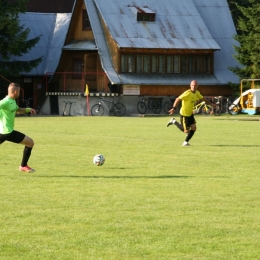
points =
(99, 160)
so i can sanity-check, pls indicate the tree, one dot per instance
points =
(14, 40)
(235, 11)
(248, 52)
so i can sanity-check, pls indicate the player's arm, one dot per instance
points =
(175, 104)
(208, 102)
(25, 110)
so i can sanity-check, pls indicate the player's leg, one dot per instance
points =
(20, 138)
(191, 133)
(174, 122)
(27, 141)
(191, 125)
(1, 139)
(28, 145)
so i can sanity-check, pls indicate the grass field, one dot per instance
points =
(152, 199)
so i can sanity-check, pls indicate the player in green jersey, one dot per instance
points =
(188, 123)
(8, 109)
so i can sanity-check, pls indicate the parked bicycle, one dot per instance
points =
(218, 110)
(230, 107)
(168, 105)
(224, 105)
(152, 104)
(233, 109)
(118, 109)
(203, 108)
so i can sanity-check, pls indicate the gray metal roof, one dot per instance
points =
(178, 25)
(53, 29)
(81, 45)
(216, 15)
(189, 24)
(168, 79)
(104, 54)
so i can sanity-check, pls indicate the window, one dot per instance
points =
(144, 13)
(154, 63)
(123, 63)
(147, 63)
(169, 65)
(185, 64)
(161, 64)
(207, 64)
(127, 63)
(145, 17)
(131, 63)
(203, 64)
(85, 21)
(139, 63)
(77, 68)
(176, 64)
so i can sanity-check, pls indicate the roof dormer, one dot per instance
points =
(143, 14)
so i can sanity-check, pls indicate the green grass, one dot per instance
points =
(152, 199)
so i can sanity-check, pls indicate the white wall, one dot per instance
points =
(81, 106)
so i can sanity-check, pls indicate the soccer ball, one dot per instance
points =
(99, 160)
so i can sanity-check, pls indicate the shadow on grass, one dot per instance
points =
(126, 177)
(234, 145)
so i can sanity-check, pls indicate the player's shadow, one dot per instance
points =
(138, 177)
(235, 145)
(113, 176)
(127, 176)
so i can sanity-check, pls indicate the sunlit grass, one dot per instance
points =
(152, 199)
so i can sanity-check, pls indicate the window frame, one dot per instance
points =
(77, 68)
(85, 21)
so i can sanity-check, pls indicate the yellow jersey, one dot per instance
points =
(188, 101)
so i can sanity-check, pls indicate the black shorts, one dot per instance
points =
(14, 137)
(187, 121)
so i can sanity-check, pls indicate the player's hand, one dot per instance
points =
(33, 111)
(171, 111)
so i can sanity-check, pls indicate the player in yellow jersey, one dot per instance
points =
(8, 109)
(188, 123)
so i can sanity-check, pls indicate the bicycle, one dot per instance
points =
(144, 104)
(168, 105)
(225, 106)
(203, 108)
(118, 109)
(231, 108)
(218, 110)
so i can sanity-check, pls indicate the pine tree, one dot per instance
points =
(234, 9)
(248, 52)
(14, 40)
